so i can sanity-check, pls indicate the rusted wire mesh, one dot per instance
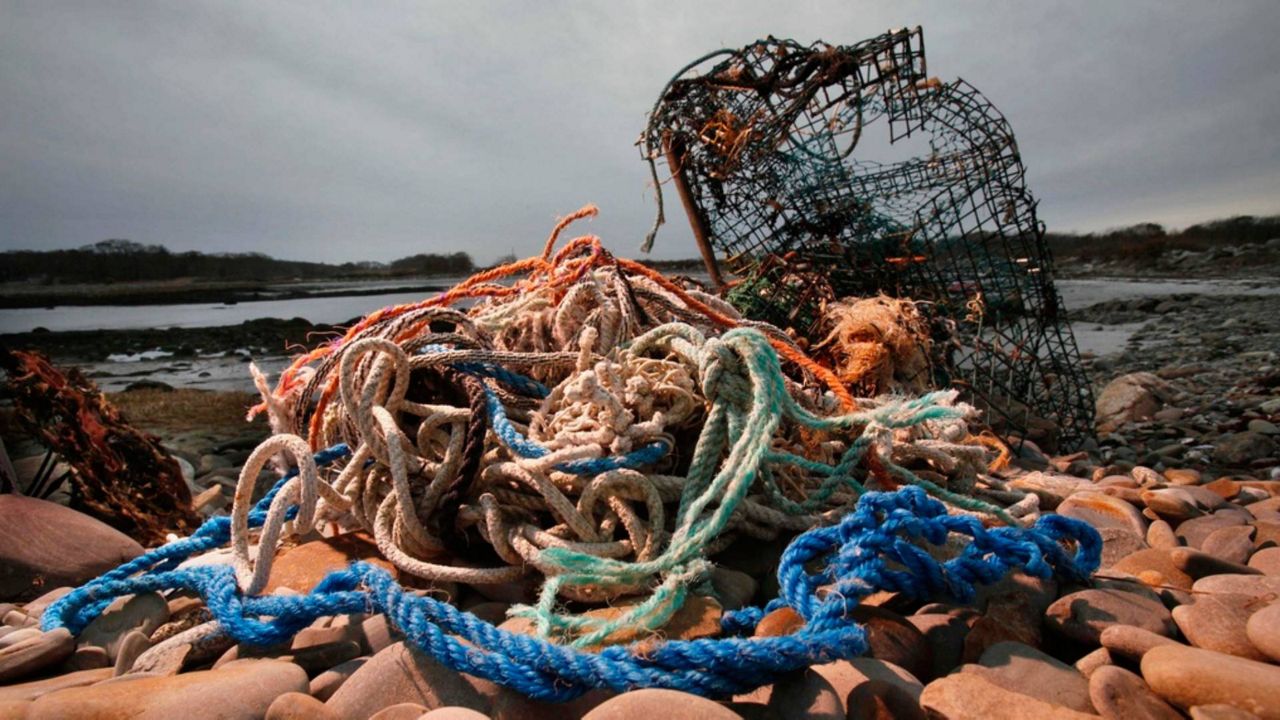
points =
(764, 145)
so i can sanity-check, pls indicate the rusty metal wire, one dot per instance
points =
(763, 145)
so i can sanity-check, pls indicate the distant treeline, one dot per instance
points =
(126, 261)
(1149, 240)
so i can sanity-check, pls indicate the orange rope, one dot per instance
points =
(558, 271)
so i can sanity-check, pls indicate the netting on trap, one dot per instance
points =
(762, 144)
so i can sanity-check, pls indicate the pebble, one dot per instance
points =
(1201, 564)
(35, 688)
(1118, 543)
(1172, 504)
(1104, 511)
(1263, 631)
(34, 654)
(1082, 616)
(1190, 676)
(299, 706)
(1026, 670)
(1260, 587)
(844, 678)
(324, 685)
(1182, 476)
(454, 713)
(1160, 535)
(945, 635)
(1230, 544)
(87, 657)
(879, 700)
(806, 695)
(399, 674)
(777, 623)
(1131, 642)
(403, 711)
(657, 703)
(1217, 622)
(1154, 567)
(43, 544)
(143, 613)
(1195, 531)
(1220, 712)
(507, 704)
(966, 696)
(734, 589)
(131, 646)
(302, 567)
(1090, 662)
(892, 638)
(1006, 619)
(1266, 561)
(1121, 695)
(240, 691)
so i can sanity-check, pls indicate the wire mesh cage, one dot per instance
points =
(767, 149)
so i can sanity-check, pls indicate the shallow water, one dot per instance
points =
(231, 372)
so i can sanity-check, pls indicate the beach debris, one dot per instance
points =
(583, 427)
(118, 474)
(772, 151)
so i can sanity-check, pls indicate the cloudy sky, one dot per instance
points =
(359, 130)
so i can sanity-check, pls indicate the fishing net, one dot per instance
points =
(769, 149)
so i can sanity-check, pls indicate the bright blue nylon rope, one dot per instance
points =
(859, 551)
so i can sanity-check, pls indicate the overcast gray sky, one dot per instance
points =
(347, 131)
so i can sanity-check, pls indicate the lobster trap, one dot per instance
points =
(812, 173)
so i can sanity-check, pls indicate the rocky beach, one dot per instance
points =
(1181, 620)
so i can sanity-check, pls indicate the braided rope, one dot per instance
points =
(885, 531)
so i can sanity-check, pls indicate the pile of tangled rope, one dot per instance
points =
(588, 419)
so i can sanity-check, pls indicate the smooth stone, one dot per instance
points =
(299, 706)
(846, 677)
(1266, 561)
(1195, 531)
(659, 703)
(892, 638)
(1261, 587)
(1051, 488)
(1172, 504)
(1103, 511)
(1220, 712)
(1091, 661)
(1121, 695)
(1187, 676)
(880, 700)
(35, 654)
(1199, 564)
(324, 685)
(43, 544)
(1131, 642)
(454, 713)
(35, 688)
(734, 589)
(966, 696)
(1006, 619)
(507, 704)
(1263, 631)
(782, 621)
(19, 619)
(132, 645)
(1024, 669)
(403, 711)
(36, 607)
(1154, 565)
(1230, 544)
(1082, 616)
(377, 634)
(19, 635)
(1118, 543)
(315, 659)
(1217, 622)
(698, 617)
(806, 695)
(240, 691)
(143, 613)
(945, 635)
(399, 674)
(1182, 476)
(87, 657)
(301, 568)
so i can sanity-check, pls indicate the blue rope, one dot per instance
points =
(860, 555)
(523, 446)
